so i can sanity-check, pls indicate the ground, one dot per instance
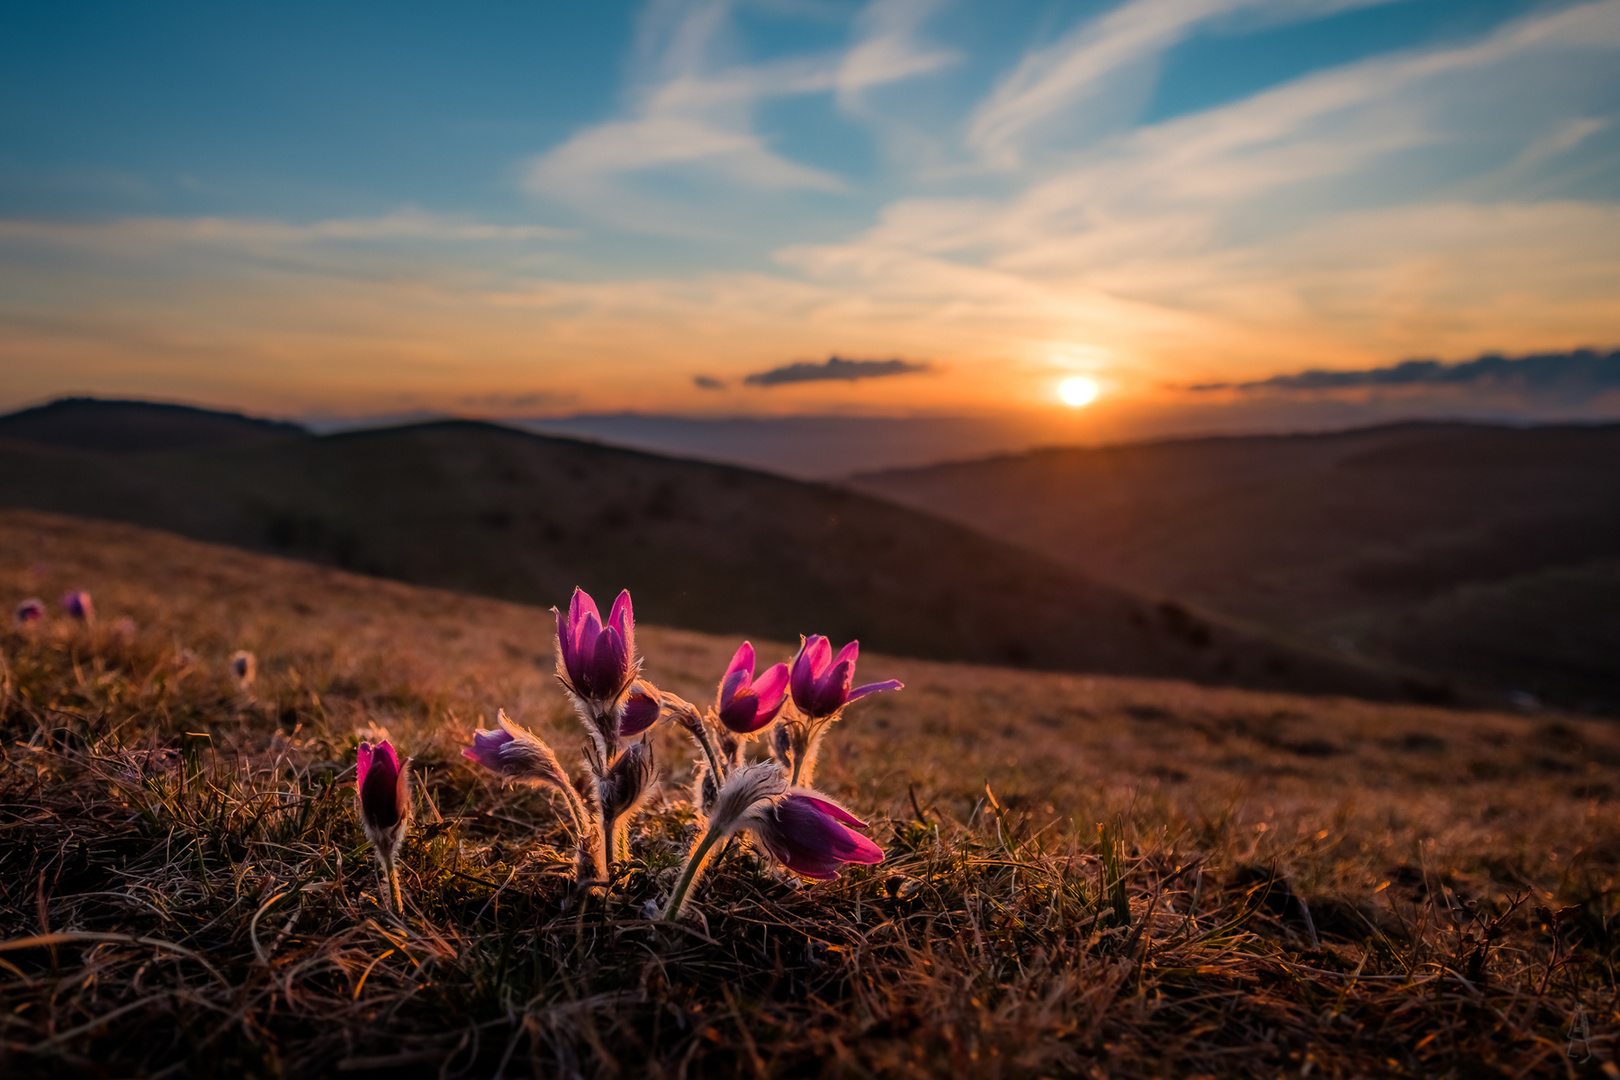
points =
(1085, 875)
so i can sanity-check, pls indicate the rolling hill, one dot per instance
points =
(1488, 553)
(490, 510)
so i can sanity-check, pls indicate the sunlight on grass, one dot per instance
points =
(1080, 874)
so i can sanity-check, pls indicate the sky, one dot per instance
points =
(918, 208)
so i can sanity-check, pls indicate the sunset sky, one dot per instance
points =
(514, 209)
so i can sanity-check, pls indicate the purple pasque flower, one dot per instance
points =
(596, 659)
(811, 835)
(31, 610)
(515, 753)
(641, 709)
(383, 797)
(76, 602)
(820, 682)
(746, 704)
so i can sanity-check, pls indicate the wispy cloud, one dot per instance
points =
(834, 369)
(1578, 375)
(696, 115)
(1436, 201)
(1101, 71)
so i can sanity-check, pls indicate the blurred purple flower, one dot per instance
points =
(811, 835)
(31, 610)
(821, 682)
(244, 668)
(595, 660)
(76, 602)
(641, 710)
(747, 704)
(383, 796)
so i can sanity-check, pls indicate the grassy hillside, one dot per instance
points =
(1287, 885)
(490, 510)
(1404, 542)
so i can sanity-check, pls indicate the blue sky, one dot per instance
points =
(566, 207)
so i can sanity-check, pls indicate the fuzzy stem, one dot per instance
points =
(709, 752)
(391, 869)
(804, 762)
(610, 843)
(576, 809)
(689, 873)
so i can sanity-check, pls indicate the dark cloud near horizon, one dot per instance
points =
(707, 382)
(531, 399)
(1583, 373)
(835, 369)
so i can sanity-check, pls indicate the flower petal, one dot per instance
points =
(832, 689)
(742, 660)
(580, 605)
(609, 665)
(771, 686)
(875, 687)
(814, 653)
(623, 619)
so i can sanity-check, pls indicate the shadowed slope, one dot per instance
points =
(491, 510)
(137, 426)
(1404, 542)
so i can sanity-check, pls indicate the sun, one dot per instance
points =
(1077, 391)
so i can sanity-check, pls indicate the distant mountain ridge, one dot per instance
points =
(492, 510)
(109, 425)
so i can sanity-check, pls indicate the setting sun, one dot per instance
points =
(1077, 391)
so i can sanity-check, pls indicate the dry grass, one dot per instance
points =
(1284, 885)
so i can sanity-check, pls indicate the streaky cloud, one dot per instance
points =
(835, 369)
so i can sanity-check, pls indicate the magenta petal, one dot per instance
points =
(811, 840)
(874, 687)
(832, 689)
(580, 605)
(640, 713)
(486, 748)
(609, 663)
(362, 763)
(741, 660)
(807, 666)
(586, 635)
(735, 683)
(741, 713)
(771, 686)
(850, 652)
(623, 619)
(379, 791)
(833, 810)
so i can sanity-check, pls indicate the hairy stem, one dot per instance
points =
(689, 873)
(391, 869)
(709, 752)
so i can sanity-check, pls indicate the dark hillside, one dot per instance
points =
(138, 426)
(499, 512)
(1487, 552)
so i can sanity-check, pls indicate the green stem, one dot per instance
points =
(694, 866)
